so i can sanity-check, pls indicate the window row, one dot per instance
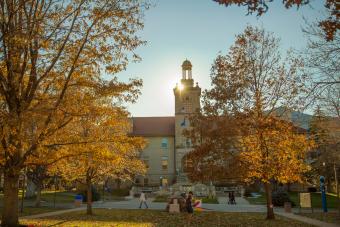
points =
(164, 163)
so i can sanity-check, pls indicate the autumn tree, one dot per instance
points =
(103, 149)
(249, 84)
(37, 174)
(325, 131)
(330, 25)
(214, 158)
(48, 47)
(275, 152)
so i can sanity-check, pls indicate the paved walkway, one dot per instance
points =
(54, 213)
(307, 220)
(241, 206)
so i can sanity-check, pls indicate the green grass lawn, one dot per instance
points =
(316, 200)
(47, 205)
(60, 196)
(153, 218)
(210, 200)
(294, 196)
(48, 196)
(161, 199)
(326, 217)
(34, 210)
(261, 200)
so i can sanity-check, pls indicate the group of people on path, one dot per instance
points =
(188, 201)
(231, 197)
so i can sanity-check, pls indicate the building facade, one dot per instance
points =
(166, 144)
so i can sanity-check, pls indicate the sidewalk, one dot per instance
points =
(54, 213)
(307, 220)
(242, 206)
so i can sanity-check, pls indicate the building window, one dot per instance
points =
(164, 182)
(165, 143)
(146, 163)
(188, 143)
(183, 123)
(164, 163)
(146, 181)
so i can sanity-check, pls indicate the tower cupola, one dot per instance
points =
(186, 70)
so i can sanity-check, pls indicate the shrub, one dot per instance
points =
(280, 197)
(120, 192)
(136, 195)
(247, 192)
(312, 189)
(95, 195)
(161, 198)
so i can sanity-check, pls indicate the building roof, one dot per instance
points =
(153, 126)
(186, 65)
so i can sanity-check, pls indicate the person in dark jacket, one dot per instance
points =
(190, 209)
(229, 197)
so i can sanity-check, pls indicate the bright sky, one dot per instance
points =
(198, 30)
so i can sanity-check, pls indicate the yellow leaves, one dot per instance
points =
(100, 143)
(276, 152)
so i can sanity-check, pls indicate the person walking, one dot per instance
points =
(233, 201)
(190, 209)
(142, 200)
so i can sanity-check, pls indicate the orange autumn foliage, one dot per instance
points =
(52, 54)
(275, 151)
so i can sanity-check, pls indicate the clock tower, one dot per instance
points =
(187, 102)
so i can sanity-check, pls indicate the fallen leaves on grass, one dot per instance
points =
(153, 218)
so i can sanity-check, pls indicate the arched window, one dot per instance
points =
(164, 143)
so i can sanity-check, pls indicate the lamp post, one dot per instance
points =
(323, 194)
(336, 186)
(161, 182)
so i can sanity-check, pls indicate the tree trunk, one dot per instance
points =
(336, 179)
(329, 185)
(38, 198)
(118, 181)
(0, 179)
(270, 210)
(11, 199)
(89, 196)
